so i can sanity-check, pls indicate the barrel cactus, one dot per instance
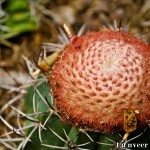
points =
(94, 95)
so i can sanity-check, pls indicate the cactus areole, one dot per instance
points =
(98, 76)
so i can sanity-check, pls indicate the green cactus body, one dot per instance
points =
(58, 135)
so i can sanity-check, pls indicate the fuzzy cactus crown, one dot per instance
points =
(98, 76)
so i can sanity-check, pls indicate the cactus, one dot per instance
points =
(40, 126)
(51, 133)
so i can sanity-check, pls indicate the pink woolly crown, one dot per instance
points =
(98, 76)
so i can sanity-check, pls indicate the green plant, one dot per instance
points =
(17, 19)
